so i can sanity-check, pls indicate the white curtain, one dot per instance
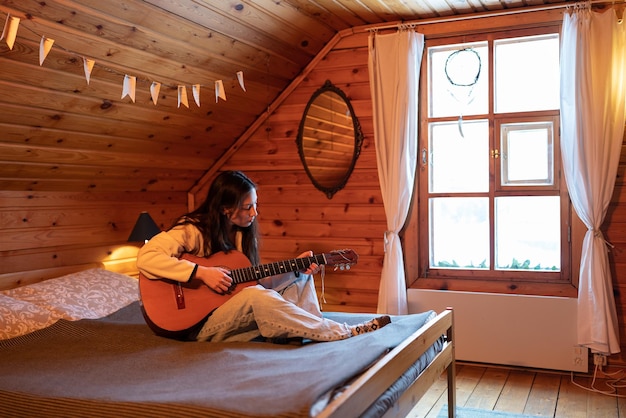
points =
(394, 66)
(592, 126)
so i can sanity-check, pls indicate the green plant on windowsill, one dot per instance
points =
(515, 265)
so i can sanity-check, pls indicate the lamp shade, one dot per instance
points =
(145, 228)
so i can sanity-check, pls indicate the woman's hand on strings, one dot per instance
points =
(216, 278)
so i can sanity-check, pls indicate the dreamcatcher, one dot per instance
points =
(462, 70)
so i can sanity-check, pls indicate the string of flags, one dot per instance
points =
(129, 85)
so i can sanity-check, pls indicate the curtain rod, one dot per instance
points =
(471, 16)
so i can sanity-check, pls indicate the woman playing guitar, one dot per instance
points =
(190, 277)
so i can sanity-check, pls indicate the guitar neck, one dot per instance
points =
(248, 274)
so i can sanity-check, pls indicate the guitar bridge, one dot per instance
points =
(179, 295)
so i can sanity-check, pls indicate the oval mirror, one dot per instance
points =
(329, 139)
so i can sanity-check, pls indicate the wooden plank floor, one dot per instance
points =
(529, 392)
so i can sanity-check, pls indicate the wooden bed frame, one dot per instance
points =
(371, 384)
(385, 372)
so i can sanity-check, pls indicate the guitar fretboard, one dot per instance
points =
(248, 274)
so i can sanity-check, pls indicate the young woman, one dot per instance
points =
(280, 307)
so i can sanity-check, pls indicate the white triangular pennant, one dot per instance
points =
(182, 96)
(219, 91)
(240, 78)
(88, 66)
(154, 91)
(130, 82)
(195, 89)
(10, 30)
(44, 48)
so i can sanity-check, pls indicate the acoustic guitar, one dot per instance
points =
(172, 308)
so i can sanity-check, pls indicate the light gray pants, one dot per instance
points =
(283, 306)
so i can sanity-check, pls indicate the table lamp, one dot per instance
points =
(145, 228)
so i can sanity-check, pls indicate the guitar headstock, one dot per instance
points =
(341, 259)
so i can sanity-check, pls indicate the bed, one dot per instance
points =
(78, 345)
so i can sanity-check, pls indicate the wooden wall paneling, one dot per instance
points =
(75, 171)
(353, 59)
(95, 233)
(55, 216)
(357, 75)
(17, 152)
(309, 194)
(21, 93)
(56, 229)
(614, 234)
(57, 256)
(337, 229)
(67, 84)
(12, 280)
(357, 39)
(352, 301)
(13, 114)
(41, 199)
(356, 212)
(48, 184)
(278, 248)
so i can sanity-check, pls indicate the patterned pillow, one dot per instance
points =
(89, 294)
(18, 317)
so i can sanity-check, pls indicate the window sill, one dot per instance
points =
(490, 286)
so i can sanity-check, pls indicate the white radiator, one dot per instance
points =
(516, 330)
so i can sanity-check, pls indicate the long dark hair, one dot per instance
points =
(226, 193)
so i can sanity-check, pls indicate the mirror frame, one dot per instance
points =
(358, 140)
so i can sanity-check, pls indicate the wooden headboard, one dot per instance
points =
(23, 278)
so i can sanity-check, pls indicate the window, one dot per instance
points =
(493, 205)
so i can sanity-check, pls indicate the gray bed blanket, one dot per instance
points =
(116, 366)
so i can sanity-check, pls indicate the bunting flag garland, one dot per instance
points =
(240, 78)
(195, 89)
(219, 91)
(154, 91)
(182, 96)
(88, 66)
(9, 34)
(10, 30)
(44, 48)
(130, 83)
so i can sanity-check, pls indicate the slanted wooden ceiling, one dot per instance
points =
(57, 132)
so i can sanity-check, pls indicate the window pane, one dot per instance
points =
(459, 233)
(459, 163)
(458, 80)
(527, 154)
(527, 74)
(527, 233)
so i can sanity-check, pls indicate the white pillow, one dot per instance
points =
(88, 294)
(18, 317)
